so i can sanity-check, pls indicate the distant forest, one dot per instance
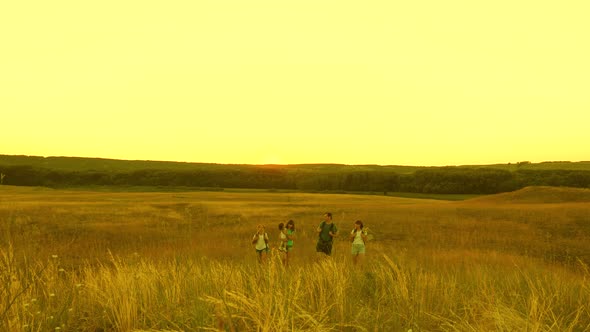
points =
(63, 172)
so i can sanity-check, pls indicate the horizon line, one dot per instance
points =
(297, 164)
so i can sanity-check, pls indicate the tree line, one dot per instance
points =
(436, 180)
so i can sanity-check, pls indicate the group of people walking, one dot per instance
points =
(326, 231)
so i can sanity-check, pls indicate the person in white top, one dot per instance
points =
(358, 236)
(260, 242)
(283, 243)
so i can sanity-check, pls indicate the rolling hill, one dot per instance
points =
(538, 194)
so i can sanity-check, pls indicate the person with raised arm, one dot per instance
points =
(327, 230)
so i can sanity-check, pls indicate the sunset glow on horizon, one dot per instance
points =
(424, 83)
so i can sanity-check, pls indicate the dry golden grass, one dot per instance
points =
(183, 261)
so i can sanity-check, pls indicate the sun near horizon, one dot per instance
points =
(264, 82)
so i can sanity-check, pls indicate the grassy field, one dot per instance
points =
(100, 261)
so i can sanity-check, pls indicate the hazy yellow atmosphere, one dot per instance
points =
(355, 82)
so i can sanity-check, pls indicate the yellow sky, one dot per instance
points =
(305, 81)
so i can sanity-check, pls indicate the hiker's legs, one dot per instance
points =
(262, 257)
(324, 247)
(358, 252)
(288, 255)
(359, 259)
(329, 249)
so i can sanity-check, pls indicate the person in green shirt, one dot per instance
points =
(290, 237)
(327, 230)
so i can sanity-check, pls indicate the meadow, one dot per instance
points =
(183, 261)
